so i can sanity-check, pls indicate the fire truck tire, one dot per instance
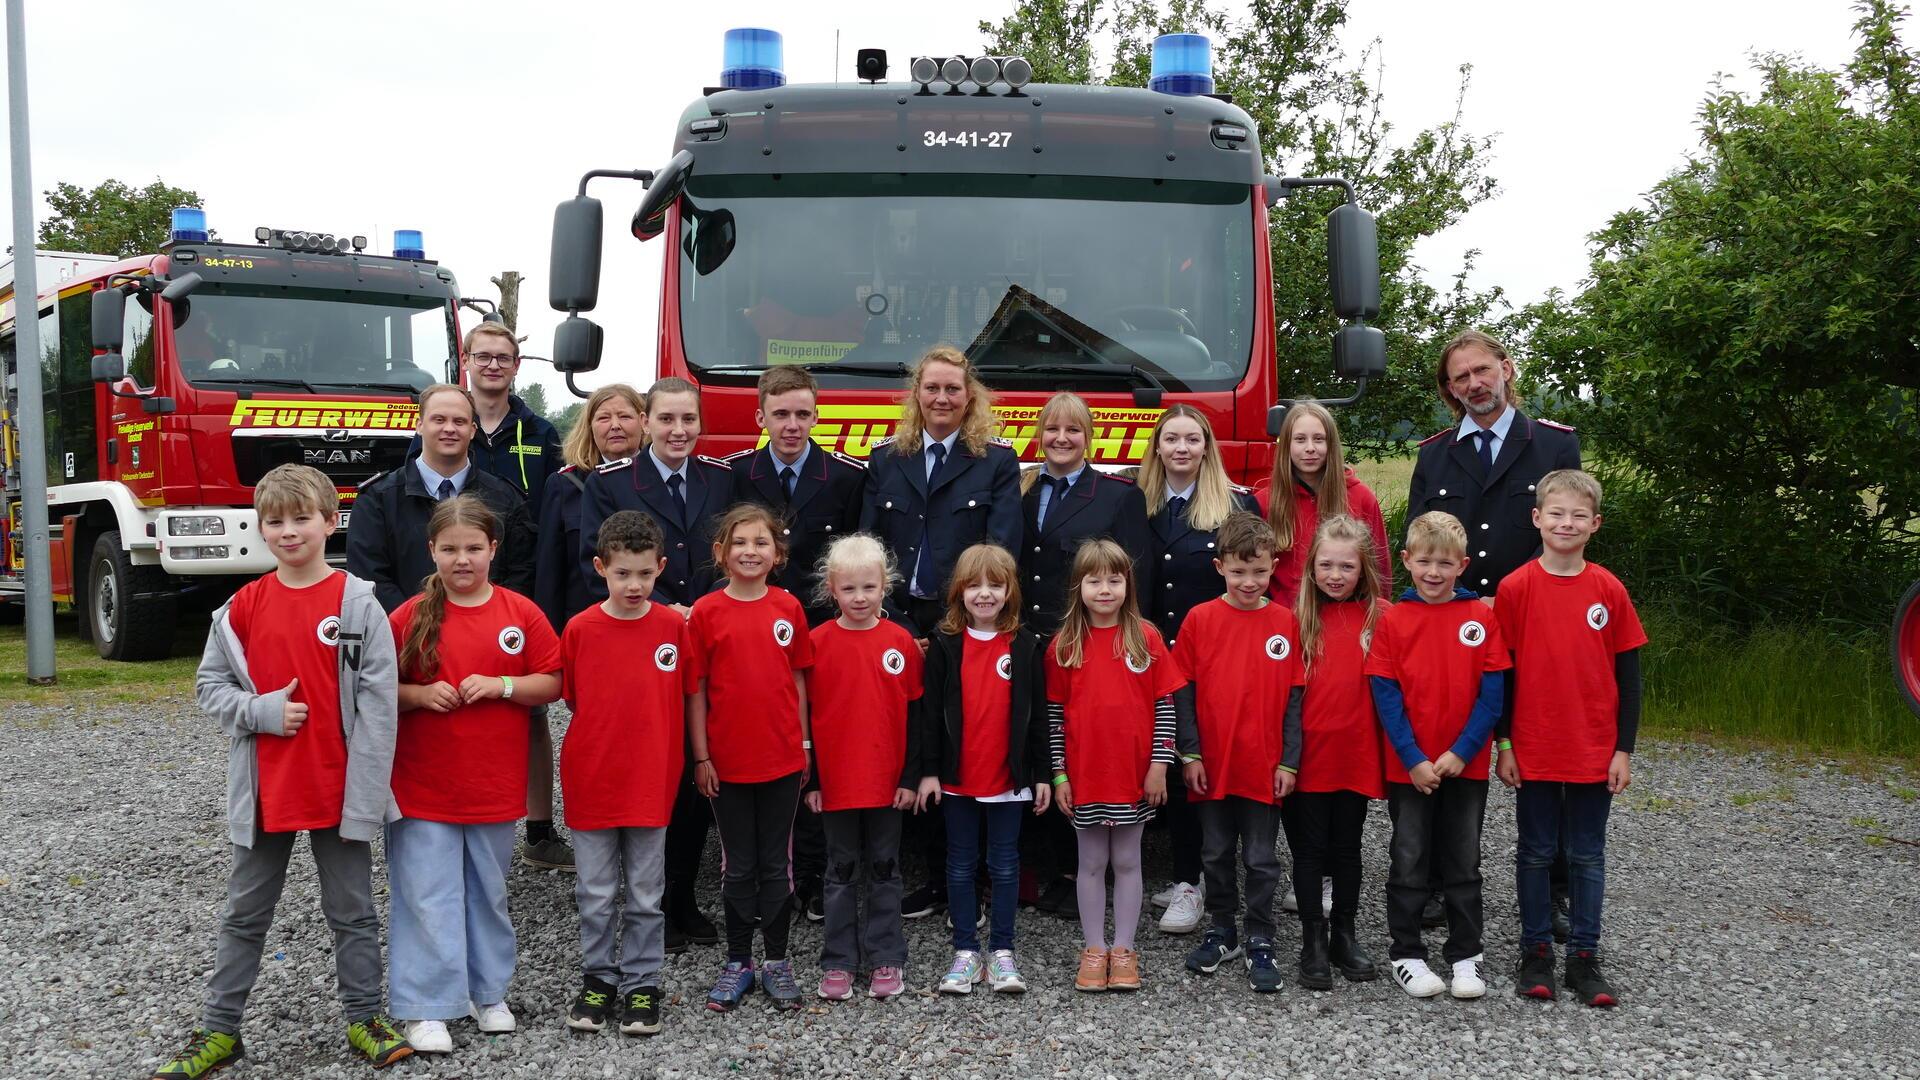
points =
(1906, 647)
(129, 609)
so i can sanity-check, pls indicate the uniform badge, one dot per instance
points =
(1472, 633)
(512, 640)
(1597, 616)
(893, 662)
(1278, 647)
(666, 657)
(782, 632)
(329, 631)
(1004, 667)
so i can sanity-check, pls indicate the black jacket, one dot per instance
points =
(387, 535)
(634, 484)
(1097, 505)
(1496, 507)
(825, 504)
(942, 716)
(976, 500)
(524, 451)
(1178, 571)
(557, 585)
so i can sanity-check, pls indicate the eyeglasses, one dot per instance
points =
(487, 359)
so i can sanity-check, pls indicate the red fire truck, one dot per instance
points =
(173, 381)
(1108, 240)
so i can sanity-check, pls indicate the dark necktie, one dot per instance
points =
(923, 583)
(679, 497)
(786, 481)
(1060, 486)
(1486, 449)
(446, 489)
(1177, 507)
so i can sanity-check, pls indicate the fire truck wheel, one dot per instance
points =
(130, 608)
(1906, 647)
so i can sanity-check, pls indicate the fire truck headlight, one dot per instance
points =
(1016, 71)
(203, 551)
(196, 525)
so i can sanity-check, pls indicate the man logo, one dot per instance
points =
(666, 657)
(329, 631)
(1142, 669)
(1597, 616)
(892, 662)
(1472, 633)
(512, 640)
(1278, 647)
(782, 632)
(1004, 667)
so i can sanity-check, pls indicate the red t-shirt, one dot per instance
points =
(748, 650)
(1290, 566)
(986, 705)
(1565, 632)
(1341, 744)
(290, 634)
(1109, 714)
(1437, 653)
(1244, 665)
(858, 693)
(624, 680)
(469, 766)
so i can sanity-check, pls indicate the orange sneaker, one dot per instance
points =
(1123, 970)
(1093, 971)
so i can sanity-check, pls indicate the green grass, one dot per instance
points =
(83, 678)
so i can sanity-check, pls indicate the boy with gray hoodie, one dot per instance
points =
(300, 673)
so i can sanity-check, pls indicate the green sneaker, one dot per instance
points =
(377, 1038)
(205, 1052)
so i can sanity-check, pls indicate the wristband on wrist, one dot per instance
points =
(1504, 744)
(1059, 778)
(703, 761)
(1288, 769)
(1188, 759)
(506, 688)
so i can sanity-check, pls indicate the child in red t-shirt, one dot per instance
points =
(864, 695)
(1239, 742)
(748, 652)
(1576, 708)
(474, 658)
(620, 767)
(1340, 766)
(1110, 719)
(298, 672)
(1434, 667)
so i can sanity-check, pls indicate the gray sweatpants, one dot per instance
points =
(1255, 826)
(599, 857)
(857, 840)
(346, 898)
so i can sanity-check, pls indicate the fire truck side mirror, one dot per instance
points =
(1353, 262)
(109, 367)
(576, 345)
(573, 266)
(180, 288)
(109, 314)
(1359, 352)
(650, 220)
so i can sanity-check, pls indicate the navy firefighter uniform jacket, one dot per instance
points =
(1496, 505)
(1178, 573)
(1096, 506)
(524, 451)
(975, 499)
(635, 483)
(825, 503)
(557, 585)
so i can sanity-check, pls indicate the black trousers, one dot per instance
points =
(1183, 829)
(756, 870)
(686, 843)
(926, 832)
(1324, 830)
(1436, 838)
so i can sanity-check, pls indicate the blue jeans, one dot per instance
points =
(1002, 820)
(449, 940)
(1548, 814)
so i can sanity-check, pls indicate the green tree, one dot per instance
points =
(1744, 352)
(569, 416)
(535, 396)
(112, 219)
(1319, 113)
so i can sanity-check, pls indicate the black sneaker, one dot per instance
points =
(1586, 981)
(816, 907)
(699, 929)
(676, 939)
(592, 1008)
(1435, 913)
(923, 902)
(640, 1012)
(1262, 973)
(1536, 973)
(1059, 899)
(552, 853)
(1562, 926)
(1216, 948)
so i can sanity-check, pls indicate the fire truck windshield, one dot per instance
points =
(1022, 272)
(236, 335)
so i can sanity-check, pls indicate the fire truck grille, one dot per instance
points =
(346, 461)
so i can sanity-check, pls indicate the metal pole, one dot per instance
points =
(26, 321)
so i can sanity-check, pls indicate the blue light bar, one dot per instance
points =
(189, 225)
(1182, 64)
(752, 59)
(407, 244)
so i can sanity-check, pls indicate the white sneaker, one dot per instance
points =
(1467, 981)
(1326, 897)
(494, 1019)
(429, 1037)
(1417, 979)
(1165, 896)
(1183, 913)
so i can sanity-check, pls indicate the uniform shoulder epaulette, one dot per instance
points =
(619, 463)
(880, 442)
(564, 469)
(1238, 490)
(369, 481)
(1123, 477)
(737, 454)
(1438, 434)
(849, 459)
(711, 460)
(1554, 424)
(998, 441)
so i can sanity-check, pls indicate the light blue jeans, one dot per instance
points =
(449, 940)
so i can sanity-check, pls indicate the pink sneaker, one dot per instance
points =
(836, 985)
(887, 982)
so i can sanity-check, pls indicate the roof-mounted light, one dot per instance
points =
(984, 72)
(408, 245)
(188, 225)
(1182, 65)
(752, 59)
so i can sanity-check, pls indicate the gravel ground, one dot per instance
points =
(1763, 920)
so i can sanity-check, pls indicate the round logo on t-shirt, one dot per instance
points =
(1278, 647)
(782, 632)
(512, 640)
(666, 657)
(1366, 641)
(892, 662)
(1597, 616)
(1472, 633)
(329, 630)
(1140, 669)
(1004, 667)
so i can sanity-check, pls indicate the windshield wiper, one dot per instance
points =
(259, 380)
(1130, 372)
(885, 369)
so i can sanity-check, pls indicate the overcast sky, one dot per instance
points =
(469, 120)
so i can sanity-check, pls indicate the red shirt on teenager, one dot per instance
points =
(1565, 632)
(469, 766)
(986, 701)
(625, 681)
(289, 634)
(1244, 665)
(1290, 566)
(1342, 748)
(748, 650)
(858, 693)
(1109, 714)
(1437, 653)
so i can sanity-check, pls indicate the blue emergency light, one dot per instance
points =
(1182, 64)
(407, 244)
(189, 225)
(752, 60)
